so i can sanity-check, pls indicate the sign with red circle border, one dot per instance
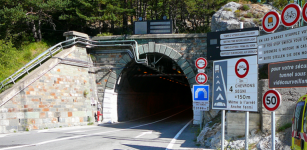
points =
(304, 12)
(200, 65)
(267, 100)
(246, 69)
(292, 13)
(269, 20)
(199, 81)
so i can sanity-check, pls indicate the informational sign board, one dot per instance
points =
(288, 74)
(153, 27)
(232, 43)
(290, 15)
(201, 97)
(271, 100)
(283, 46)
(235, 83)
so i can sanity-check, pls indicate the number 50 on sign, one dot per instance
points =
(271, 100)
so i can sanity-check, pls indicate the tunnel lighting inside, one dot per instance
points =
(156, 88)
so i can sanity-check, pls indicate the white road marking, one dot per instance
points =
(3, 135)
(79, 136)
(80, 131)
(143, 134)
(171, 144)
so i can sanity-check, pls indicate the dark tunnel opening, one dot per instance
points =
(146, 89)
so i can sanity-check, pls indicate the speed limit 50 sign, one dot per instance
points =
(271, 100)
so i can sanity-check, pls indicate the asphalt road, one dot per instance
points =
(164, 130)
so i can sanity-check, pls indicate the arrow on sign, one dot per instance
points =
(217, 77)
(218, 88)
(218, 82)
(220, 97)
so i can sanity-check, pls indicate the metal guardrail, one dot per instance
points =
(56, 48)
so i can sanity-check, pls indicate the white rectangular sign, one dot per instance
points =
(238, 46)
(202, 106)
(237, 88)
(283, 46)
(239, 52)
(239, 40)
(239, 34)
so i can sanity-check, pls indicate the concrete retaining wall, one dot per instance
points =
(51, 96)
(235, 123)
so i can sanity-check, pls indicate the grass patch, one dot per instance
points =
(284, 127)
(237, 13)
(105, 34)
(245, 7)
(242, 19)
(12, 59)
(248, 15)
(257, 21)
(90, 123)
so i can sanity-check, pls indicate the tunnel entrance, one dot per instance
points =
(146, 89)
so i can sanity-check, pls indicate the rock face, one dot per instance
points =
(231, 14)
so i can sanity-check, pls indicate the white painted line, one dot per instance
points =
(79, 136)
(3, 135)
(143, 134)
(80, 131)
(171, 144)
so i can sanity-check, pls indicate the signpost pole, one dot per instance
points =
(223, 128)
(273, 129)
(246, 129)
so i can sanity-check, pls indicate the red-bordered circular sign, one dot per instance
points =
(290, 15)
(271, 100)
(304, 12)
(201, 78)
(201, 63)
(271, 21)
(241, 68)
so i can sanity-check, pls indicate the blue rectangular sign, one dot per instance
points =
(201, 93)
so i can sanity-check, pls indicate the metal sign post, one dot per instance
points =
(271, 101)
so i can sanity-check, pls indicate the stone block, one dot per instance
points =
(187, 70)
(190, 75)
(110, 85)
(20, 115)
(112, 80)
(173, 54)
(11, 128)
(151, 47)
(12, 115)
(157, 48)
(192, 81)
(162, 49)
(4, 123)
(145, 46)
(14, 122)
(177, 56)
(184, 65)
(50, 114)
(79, 114)
(127, 58)
(141, 49)
(168, 51)
(46, 120)
(2, 116)
(31, 114)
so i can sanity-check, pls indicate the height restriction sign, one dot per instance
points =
(201, 63)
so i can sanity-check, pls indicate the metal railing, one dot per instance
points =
(58, 47)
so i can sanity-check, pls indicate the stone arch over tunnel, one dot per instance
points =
(112, 97)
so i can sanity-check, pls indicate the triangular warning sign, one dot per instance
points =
(218, 82)
(218, 88)
(220, 97)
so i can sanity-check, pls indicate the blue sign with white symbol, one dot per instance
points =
(219, 100)
(201, 92)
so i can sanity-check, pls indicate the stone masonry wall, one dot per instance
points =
(189, 47)
(56, 99)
